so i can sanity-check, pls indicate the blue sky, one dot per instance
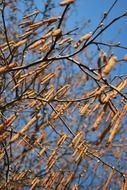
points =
(93, 10)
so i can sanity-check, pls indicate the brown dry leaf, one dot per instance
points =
(66, 2)
(110, 65)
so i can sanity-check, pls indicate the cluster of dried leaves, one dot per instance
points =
(59, 118)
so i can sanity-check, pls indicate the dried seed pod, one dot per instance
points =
(66, 2)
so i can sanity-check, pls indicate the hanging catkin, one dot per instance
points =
(109, 66)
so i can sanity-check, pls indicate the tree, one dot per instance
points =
(62, 106)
